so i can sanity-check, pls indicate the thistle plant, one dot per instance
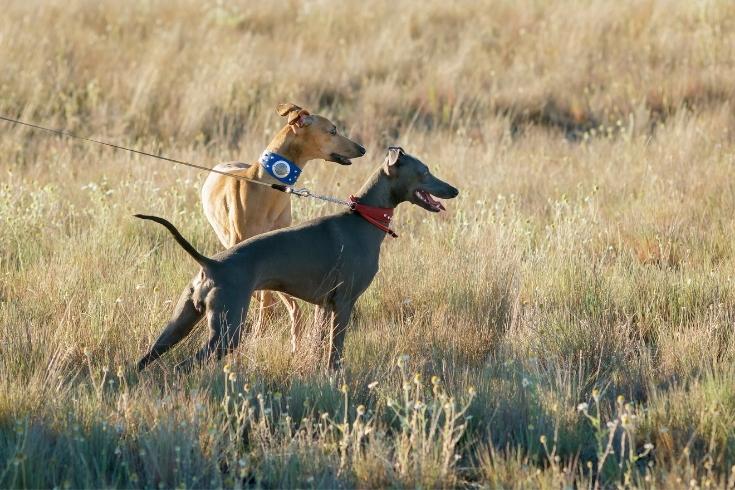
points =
(617, 454)
(430, 428)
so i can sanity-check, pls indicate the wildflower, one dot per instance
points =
(542, 439)
(120, 372)
(621, 399)
(582, 407)
(360, 409)
(232, 377)
(435, 380)
(471, 390)
(596, 394)
(227, 369)
(525, 383)
(417, 378)
(344, 389)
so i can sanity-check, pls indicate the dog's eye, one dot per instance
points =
(333, 131)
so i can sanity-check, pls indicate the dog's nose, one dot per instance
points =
(454, 192)
(361, 150)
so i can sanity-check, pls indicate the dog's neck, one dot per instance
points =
(288, 145)
(378, 191)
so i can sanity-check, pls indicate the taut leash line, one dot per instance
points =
(304, 192)
(380, 220)
(277, 187)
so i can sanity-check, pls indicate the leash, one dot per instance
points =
(279, 187)
(378, 217)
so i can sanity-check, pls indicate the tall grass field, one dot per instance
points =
(567, 323)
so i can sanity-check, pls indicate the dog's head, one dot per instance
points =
(318, 137)
(412, 181)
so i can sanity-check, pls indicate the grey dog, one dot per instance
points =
(328, 261)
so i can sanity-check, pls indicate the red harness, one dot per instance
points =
(378, 217)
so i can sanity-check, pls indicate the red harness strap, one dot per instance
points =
(378, 217)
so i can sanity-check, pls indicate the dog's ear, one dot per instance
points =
(284, 109)
(299, 119)
(392, 159)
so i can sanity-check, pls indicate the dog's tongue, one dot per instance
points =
(430, 199)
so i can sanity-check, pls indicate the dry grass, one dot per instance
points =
(589, 256)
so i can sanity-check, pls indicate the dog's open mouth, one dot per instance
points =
(431, 203)
(334, 157)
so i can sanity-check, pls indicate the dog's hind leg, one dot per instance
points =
(183, 320)
(226, 319)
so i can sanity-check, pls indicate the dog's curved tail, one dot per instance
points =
(202, 260)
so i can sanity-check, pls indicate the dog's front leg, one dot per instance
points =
(297, 320)
(341, 312)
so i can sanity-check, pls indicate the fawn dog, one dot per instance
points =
(238, 210)
(328, 261)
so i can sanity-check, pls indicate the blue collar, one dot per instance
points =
(279, 167)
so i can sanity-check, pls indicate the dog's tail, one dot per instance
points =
(202, 260)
